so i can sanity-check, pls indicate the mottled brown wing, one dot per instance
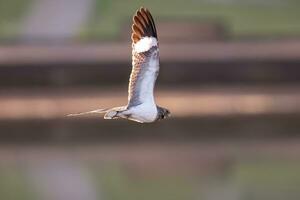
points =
(145, 59)
(143, 25)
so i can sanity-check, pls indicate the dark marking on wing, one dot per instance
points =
(143, 25)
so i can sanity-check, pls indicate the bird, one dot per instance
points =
(141, 106)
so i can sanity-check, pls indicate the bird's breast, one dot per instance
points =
(146, 112)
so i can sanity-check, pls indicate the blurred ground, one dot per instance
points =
(205, 170)
(49, 104)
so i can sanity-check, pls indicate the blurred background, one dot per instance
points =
(229, 75)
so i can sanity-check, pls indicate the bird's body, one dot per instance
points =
(144, 113)
(141, 105)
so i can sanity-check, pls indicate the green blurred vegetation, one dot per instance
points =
(262, 18)
(116, 183)
(244, 180)
(11, 13)
(14, 184)
(243, 17)
(269, 180)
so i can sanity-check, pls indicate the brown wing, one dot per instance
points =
(143, 25)
(145, 58)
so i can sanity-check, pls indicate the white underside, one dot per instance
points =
(147, 111)
(144, 113)
(144, 44)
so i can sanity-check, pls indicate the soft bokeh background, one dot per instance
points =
(229, 74)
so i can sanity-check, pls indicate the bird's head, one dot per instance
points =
(163, 113)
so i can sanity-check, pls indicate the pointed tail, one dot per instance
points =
(88, 112)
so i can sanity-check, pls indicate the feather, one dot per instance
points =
(143, 25)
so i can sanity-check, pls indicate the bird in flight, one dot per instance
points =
(141, 105)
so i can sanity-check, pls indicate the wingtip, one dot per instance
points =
(73, 115)
(142, 7)
(143, 25)
(88, 112)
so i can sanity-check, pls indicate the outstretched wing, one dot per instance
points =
(89, 112)
(145, 59)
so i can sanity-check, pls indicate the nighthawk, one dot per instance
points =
(141, 106)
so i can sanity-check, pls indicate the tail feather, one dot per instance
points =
(111, 114)
(115, 113)
(88, 112)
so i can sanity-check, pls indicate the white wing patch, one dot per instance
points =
(144, 44)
